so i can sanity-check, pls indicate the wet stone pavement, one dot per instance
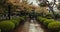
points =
(31, 26)
(35, 27)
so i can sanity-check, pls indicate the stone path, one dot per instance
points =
(35, 27)
(31, 26)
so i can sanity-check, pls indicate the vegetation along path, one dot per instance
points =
(31, 26)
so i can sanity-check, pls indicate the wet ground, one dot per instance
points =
(31, 26)
(35, 27)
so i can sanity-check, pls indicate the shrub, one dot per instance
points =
(18, 18)
(39, 18)
(15, 18)
(49, 17)
(22, 17)
(15, 22)
(54, 26)
(7, 25)
(42, 19)
(47, 21)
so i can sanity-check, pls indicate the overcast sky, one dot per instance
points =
(35, 3)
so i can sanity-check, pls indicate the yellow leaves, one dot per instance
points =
(15, 2)
(25, 6)
(42, 10)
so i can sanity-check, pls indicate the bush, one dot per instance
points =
(41, 19)
(47, 21)
(54, 26)
(22, 18)
(6, 25)
(49, 17)
(15, 22)
(16, 18)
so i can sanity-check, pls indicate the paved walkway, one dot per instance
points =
(35, 27)
(31, 26)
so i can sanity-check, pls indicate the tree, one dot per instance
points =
(7, 7)
(49, 5)
(58, 6)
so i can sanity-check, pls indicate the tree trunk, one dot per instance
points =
(9, 8)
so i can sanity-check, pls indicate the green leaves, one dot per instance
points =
(6, 25)
(54, 26)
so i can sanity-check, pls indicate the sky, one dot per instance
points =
(35, 3)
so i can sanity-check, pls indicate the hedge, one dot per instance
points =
(41, 19)
(18, 18)
(51, 24)
(22, 18)
(47, 21)
(15, 18)
(15, 22)
(6, 25)
(54, 26)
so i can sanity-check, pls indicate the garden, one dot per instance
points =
(23, 16)
(51, 24)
